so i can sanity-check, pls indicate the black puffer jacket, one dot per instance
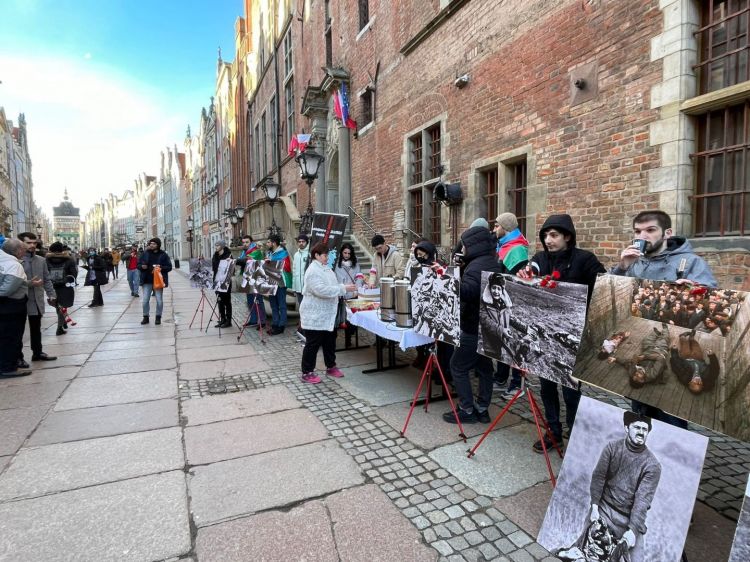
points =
(479, 256)
(575, 265)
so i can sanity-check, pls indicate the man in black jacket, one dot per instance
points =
(478, 256)
(154, 256)
(558, 237)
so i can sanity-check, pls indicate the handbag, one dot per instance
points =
(158, 279)
(341, 313)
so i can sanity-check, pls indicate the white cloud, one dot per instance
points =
(90, 129)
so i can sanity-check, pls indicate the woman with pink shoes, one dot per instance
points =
(318, 314)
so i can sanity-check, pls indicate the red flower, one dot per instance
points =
(544, 281)
(555, 274)
(552, 284)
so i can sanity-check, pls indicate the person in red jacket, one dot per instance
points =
(134, 276)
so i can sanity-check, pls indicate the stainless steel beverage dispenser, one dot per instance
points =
(387, 313)
(403, 303)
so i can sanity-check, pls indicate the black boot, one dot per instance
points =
(60, 331)
(220, 323)
(158, 320)
(145, 320)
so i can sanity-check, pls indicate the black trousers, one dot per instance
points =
(35, 334)
(97, 295)
(12, 325)
(225, 306)
(314, 340)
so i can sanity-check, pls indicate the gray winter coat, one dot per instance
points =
(36, 266)
(664, 266)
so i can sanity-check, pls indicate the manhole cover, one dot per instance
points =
(217, 388)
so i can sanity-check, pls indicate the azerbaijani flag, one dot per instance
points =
(341, 107)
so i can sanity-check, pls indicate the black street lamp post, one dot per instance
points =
(272, 190)
(189, 222)
(309, 163)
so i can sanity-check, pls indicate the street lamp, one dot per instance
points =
(309, 163)
(39, 229)
(272, 190)
(189, 222)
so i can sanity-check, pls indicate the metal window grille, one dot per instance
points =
(416, 211)
(491, 194)
(367, 115)
(288, 60)
(289, 97)
(434, 227)
(416, 159)
(722, 195)
(724, 45)
(434, 136)
(364, 13)
(517, 192)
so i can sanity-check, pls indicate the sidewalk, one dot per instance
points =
(170, 443)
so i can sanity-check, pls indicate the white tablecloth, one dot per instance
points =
(370, 321)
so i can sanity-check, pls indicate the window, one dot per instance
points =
(489, 179)
(367, 211)
(288, 61)
(364, 13)
(722, 194)
(258, 175)
(274, 133)
(329, 36)
(289, 99)
(264, 141)
(424, 171)
(367, 106)
(517, 184)
(724, 45)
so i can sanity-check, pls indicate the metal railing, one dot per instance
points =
(360, 217)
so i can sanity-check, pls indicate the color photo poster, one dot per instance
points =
(626, 489)
(329, 228)
(685, 350)
(741, 546)
(531, 326)
(262, 277)
(435, 304)
(201, 275)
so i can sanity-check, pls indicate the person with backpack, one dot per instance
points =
(63, 272)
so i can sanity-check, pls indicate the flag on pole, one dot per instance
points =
(298, 143)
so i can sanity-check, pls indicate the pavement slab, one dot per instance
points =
(30, 395)
(118, 389)
(278, 478)
(381, 389)
(4, 462)
(249, 436)
(141, 519)
(209, 341)
(266, 537)
(222, 368)
(367, 527)
(216, 352)
(119, 366)
(238, 405)
(138, 338)
(63, 361)
(56, 374)
(428, 430)
(66, 466)
(528, 507)
(17, 424)
(710, 535)
(87, 423)
(365, 356)
(61, 347)
(502, 466)
(119, 355)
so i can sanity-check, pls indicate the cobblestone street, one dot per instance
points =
(176, 443)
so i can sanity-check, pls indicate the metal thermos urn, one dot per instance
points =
(387, 313)
(403, 304)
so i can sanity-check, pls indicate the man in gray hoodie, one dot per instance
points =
(664, 256)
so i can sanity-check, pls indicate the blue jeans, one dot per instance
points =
(465, 358)
(134, 278)
(147, 290)
(251, 300)
(278, 308)
(503, 372)
(551, 402)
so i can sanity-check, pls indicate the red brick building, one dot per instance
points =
(597, 108)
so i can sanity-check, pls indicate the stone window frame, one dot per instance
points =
(429, 204)
(475, 204)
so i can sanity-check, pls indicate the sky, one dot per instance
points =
(106, 85)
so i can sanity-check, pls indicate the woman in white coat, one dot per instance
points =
(318, 314)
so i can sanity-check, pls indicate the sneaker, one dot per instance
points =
(465, 417)
(311, 378)
(15, 373)
(509, 393)
(300, 337)
(548, 444)
(334, 372)
(484, 417)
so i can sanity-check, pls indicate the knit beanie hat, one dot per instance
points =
(480, 222)
(507, 221)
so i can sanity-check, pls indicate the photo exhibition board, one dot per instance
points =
(741, 545)
(532, 325)
(685, 350)
(261, 277)
(201, 274)
(435, 304)
(223, 279)
(641, 474)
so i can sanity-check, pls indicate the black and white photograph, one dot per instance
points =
(626, 489)
(688, 372)
(224, 273)
(533, 325)
(435, 303)
(201, 275)
(741, 545)
(261, 277)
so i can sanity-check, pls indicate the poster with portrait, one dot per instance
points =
(224, 273)
(201, 275)
(329, 228)
(435, 303)
(741, 545)
(626, 488)
(261, 277)
(682, 349)
(534, 325)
